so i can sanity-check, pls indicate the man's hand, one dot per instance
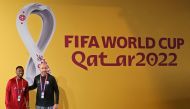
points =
(27, 107)
(55, 106)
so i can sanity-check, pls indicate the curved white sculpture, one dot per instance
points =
(36, 50)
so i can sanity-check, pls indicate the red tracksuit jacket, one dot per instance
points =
(11, 99)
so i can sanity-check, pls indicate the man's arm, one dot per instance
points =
(27, 96)
(7, 95)
(56, 91)
(34, 85)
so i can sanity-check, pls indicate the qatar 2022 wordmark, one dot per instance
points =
(147, 54)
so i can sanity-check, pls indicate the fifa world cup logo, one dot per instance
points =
(36, 50)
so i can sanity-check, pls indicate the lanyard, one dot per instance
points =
(18, 86)
(43, 88)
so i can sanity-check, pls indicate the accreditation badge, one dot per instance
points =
(42, 95)
(19, 97)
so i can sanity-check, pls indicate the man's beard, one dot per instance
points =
(44, 73)
(20, 75)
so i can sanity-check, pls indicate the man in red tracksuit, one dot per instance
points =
(17, 96)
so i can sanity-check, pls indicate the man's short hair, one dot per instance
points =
(19, 67)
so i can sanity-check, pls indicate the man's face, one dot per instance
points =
(43, 69)
(20, 72)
